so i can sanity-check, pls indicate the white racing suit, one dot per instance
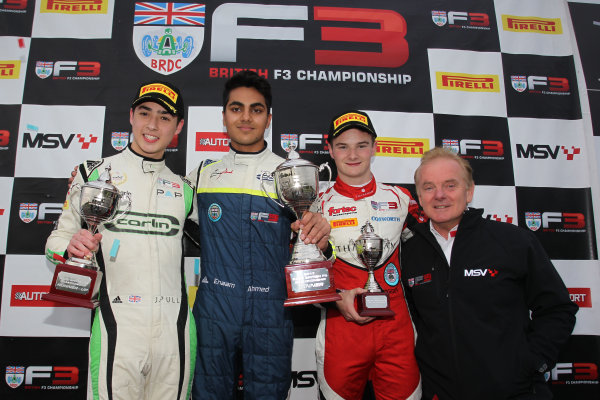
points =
(349, 354)
(143, 341)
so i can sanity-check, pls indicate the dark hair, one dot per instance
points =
(248, 79)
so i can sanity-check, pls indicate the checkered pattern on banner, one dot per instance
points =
(497, 81)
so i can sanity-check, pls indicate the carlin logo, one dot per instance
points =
(14, 376)
(289, 142)
(533, 220)
(146, 224)
(28, 212)
(212, 141)
(167, 37)
(467, 82)
(119, 140)
(550, 26)
(461, 19)
(9, 69)
(395, 147)
(74, 6)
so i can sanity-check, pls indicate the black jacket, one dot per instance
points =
(475, 337)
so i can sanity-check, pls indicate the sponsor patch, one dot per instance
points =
(419, 280)
(391, 275)
(214, 212)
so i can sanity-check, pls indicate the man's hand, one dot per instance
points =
(314, 229)
(346, 307)
(83, 243)
(73, 175)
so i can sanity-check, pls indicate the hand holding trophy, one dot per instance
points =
(369, 248)
(309, 276)
(77, 281)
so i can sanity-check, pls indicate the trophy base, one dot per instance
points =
(374, 304)
(75, 285)
(310, 283)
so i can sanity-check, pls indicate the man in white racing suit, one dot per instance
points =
(143, 340)
(352, 349)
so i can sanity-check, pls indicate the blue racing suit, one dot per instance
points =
(245, 239)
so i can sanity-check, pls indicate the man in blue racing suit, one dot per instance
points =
(245, 238)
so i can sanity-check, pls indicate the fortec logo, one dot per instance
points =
(57, 140)
(74, 6)
(9, 69)
(540, 84)
(45, 377)
(342, 223)
(575, 374)
(212, 141)
(476, 149)
(461, 19)
(545, 151)
(4, 138)
(514, 23)
(467, 82)
(551, 221)
(146, 224)
(479, 272)
(68, 70)
(31, 296)
(16, 6)
(341, 211)
(395, 147)
(581, 296)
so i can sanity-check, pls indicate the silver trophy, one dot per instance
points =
(308, 275)
(77, 281)
(369, 248)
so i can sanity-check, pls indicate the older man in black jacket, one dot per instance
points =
(490, 310)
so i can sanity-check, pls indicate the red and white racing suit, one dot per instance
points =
(348, 354)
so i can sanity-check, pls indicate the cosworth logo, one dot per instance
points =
(396, 147)
(467, 82)
(481, 272)
(146, 224)
(74, 6)
(514, 23)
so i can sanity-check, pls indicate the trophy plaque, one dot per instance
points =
(309, 276)
(369, 248)
(77, 280)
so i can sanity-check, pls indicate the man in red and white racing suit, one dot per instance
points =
(352, 349)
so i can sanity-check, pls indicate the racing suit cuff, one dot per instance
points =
(329, 252)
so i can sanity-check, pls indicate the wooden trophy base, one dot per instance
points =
(74, 285)
(310, 283)
(374, 304)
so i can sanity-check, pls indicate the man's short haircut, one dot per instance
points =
(249, 79)
(443, 152)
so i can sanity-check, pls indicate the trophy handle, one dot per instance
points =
(323, 166)
(262, 185)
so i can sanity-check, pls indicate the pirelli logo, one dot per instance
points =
(74, 6)
(467, 82)
(405, 147)
(551, 26)
(159, 88)
(342, 223)
(9, 69)
(350, 117)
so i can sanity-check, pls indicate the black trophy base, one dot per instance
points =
(374, 305)
(74, 285)
(310, 283)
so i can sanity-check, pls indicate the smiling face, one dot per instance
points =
(443, 192)
(352, 151)
(153, 129)
(246, 118)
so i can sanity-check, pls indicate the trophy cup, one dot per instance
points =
(369, 248)
(77, 280)
(309, 276)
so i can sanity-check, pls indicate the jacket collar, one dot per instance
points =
(147, 164)
(355, 192)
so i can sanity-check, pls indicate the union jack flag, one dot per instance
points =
(15, 370)
(135, 299)
(169, 14)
